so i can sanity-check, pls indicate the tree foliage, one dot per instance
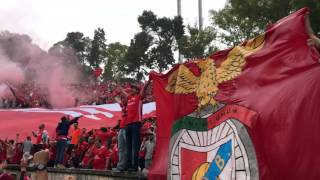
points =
(137, 56)
(115, 61)
(240, 20)
(154, 46)
(98, 48)
(80, 44)
(198, 44)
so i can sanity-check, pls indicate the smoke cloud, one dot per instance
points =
(21, 61)
(10, 71)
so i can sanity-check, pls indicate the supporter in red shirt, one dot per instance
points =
(101, 156)
(133, 124)
(17, 156)
(103, 134)
(112, 133)
(81, 147)
(88, 155)
(84, 133)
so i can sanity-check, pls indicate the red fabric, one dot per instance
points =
(97, 72)
(17, 155)
(53, 153)
(103, 136)
(115, 155)
(26, 122)
(281, 83)
(133, 109)
(6, 176)
(100, 157)
(39, 137)
(190, 161)
(88, 155)
(81, 148)
(232, 111)
(169, 108)
(112, 133)
(142, 153)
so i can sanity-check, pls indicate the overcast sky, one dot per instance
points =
(48, 21)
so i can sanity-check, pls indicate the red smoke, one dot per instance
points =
(21, 61)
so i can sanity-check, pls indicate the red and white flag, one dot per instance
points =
(24, 121)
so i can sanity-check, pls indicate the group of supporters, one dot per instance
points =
(94, 149)
(127, 147)
(33, 95)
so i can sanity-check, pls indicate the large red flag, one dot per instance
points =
(24, 121)
(276, 76)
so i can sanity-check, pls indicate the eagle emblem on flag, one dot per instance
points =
(205, 85)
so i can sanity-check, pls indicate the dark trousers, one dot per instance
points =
(61, 146)
(133, 144)
(141, 163)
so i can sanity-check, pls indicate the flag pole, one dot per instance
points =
(200, 14)
(179, 14)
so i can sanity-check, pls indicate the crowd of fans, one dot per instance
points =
(127, 147)
(94, 149)
(32, 95)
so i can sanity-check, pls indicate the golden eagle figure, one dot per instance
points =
(205, 86)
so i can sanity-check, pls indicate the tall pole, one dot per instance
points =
(200, 14)
(179, 14)
(179, 7)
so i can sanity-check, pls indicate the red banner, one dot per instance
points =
(24, 121)
(278, 79)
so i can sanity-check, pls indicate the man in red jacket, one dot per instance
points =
(132, 124)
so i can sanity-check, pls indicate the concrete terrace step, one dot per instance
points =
(81, 174)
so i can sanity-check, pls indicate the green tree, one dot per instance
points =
(77, 44)
(240, 20)
(98, 48)
(115, 61)
(74, 49)
(80, 44)
(137, 55)
(164, 31)
(153, 47)
(198, 43)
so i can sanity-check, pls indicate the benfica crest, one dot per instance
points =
(216, 146)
